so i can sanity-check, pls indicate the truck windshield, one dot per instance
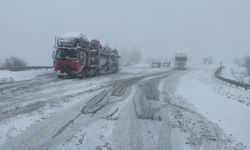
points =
(180, 58)
(66, 54)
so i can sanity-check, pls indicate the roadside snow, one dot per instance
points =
(8, 76)
(227, 73)
(236, 73)
(230, 115)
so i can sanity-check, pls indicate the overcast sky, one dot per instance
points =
(157, 27)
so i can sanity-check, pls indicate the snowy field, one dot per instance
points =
(137, 108)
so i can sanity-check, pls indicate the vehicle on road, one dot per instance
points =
(180, 61)
(166, 64)
(156, 64)
(76, 56)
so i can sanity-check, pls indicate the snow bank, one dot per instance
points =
(230, 115)
(7, 76)
(237, 73)
(227, 73)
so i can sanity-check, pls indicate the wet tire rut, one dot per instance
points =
(105, 99)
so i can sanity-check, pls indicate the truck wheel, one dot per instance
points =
(60, 76)
(82, 74)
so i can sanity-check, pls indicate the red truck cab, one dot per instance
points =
(75, 56)
(69, 62)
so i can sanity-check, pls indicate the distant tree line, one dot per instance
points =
(14, 62)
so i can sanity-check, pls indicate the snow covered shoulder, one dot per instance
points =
(10, 76)
(221, 103)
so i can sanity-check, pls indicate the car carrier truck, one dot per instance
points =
(76, 56)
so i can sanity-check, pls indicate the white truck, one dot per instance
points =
(180, 61)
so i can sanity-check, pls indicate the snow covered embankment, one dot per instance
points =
(236, 73)
(11, 76)
(218, 102)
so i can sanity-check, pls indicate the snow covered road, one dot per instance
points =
(33, 110)
(138, 108)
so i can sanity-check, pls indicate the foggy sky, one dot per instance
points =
(159, 28)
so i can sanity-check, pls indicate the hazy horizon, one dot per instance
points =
(158, 28)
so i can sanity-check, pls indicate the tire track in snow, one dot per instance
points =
(40, 137)
(148, 106)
